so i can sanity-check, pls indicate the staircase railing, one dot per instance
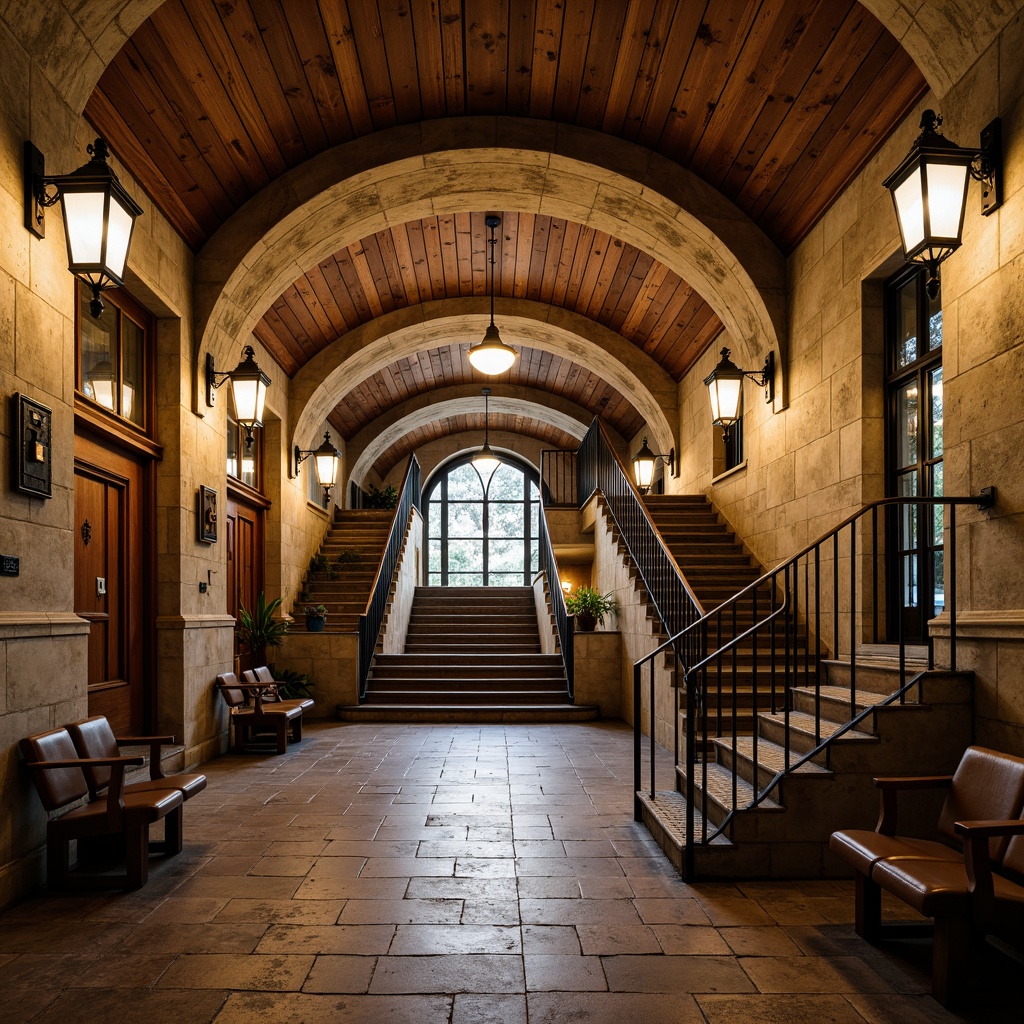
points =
(565, 624)
(599, 468)
(372, 618)
(829, 595)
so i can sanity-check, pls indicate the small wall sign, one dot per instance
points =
(207, 515)
(31, 466)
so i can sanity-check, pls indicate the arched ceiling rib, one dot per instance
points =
(447, 366)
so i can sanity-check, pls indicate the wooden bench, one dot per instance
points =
(969, 878)
(248, 720)
(59, 778)
(94, 738)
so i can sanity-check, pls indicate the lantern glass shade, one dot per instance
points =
(127, 400)
(492, 356)
(100, 384)
(724, 385)
(326, 459)
(99, 217)
(249, 390)
(643, 467)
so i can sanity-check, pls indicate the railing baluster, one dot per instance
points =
(853, 620)
(950, 574)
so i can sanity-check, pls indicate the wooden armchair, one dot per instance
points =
(58, 775)
(271, 694)
(248, 720)
(94, 738)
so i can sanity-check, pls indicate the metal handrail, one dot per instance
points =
(790, 629)
(565, 623)
(372, 618)
(600, 469)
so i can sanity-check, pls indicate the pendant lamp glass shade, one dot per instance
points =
(485, 461)
(492, 356)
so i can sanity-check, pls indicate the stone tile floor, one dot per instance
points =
(456, 874)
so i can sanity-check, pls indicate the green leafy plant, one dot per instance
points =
(316, 610)
(321, 565)
(387, 498)
(347, 556)
(588, 601)
(292, 684)
(258, 629)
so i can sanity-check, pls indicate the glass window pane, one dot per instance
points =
(434, 512)
(465, 556)
(534, 519)
(505, 579)
(133, 381)
(435, 579)
(534, 555)
(465, 519)
(465, 579)
(99, 352)
(936, 425)
(908, 412)
(906, 324)
(506, 484)
(434, 555)
(939, 581)
(504, 555)
(464, 484)
(435, 493)
(935, 325)
(234, 469)
(248, 457)
(505, 519)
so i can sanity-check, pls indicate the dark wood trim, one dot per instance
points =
(246, 494)
(107, 429)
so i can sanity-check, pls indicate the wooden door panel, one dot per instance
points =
(109, 510)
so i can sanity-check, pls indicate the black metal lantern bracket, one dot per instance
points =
(986, 164)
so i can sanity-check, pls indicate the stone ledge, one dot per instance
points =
(182, 622)
(18, 625)
(1005, 624)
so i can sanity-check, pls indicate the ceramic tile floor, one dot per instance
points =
(456, 874)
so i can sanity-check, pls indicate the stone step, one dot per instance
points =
(719, 790)
(771, 760)
(509, 713)
(803, 737)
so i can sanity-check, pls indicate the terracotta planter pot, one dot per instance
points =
(585, 622)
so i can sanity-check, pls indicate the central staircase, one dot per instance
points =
(471, 654)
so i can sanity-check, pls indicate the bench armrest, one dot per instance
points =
(891, 787)
(155, 743)
(978, 861)
(256, 689)
(989, 829)
(88, 762)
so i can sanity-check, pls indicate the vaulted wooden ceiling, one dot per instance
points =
(777, 103)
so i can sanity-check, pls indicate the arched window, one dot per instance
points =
(482, 532)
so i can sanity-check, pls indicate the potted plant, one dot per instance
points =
(316, 617)
(387, 498)
(258, 629)
(291, 684)
(590, 607)
(321, 565)
(347, 557)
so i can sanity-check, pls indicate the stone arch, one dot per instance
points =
(327, 377)
(454, 165)
(377, 437)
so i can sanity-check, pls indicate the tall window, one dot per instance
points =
(112, 356)
(482, 532)
(915, 448)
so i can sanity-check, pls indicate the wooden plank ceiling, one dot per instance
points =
(540, 258)
(549, 436)
(449, 367)
(777, 103)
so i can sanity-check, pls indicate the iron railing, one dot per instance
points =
(558, 478)
(769, 640)
(565, 623)
(371, 620)
(600, 469)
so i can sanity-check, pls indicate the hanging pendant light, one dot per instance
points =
(492, 356)
(485, 460)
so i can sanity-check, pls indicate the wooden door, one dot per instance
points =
(110, 581)
(244, 537)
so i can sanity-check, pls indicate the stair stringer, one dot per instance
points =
(395, 625)
(640, 627)
(788, 838)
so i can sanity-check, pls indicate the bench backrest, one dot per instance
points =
(263, 675)
(987, 785)
(227, 683)
(56, 787)
(95, 738)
